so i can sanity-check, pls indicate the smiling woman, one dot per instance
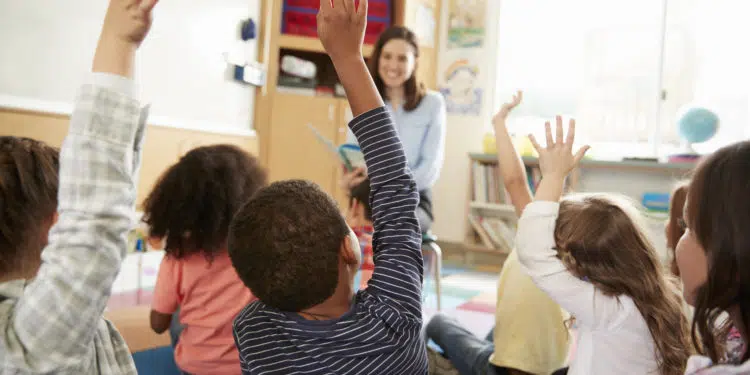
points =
(419, 113)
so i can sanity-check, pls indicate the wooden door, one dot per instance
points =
(296, 153)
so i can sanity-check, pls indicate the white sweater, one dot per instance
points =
(613, 335)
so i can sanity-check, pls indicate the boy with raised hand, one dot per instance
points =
(60, 249)
(293, 248)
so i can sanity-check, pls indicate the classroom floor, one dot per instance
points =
(468, 294)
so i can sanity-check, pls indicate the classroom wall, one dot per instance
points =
(46, 49)
(464, 135)
(163, 146)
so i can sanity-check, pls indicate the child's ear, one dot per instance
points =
(350, 249)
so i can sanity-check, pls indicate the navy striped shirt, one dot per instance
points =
(381, 333)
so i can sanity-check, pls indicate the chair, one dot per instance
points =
(429, 244)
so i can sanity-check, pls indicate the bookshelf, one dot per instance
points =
(488, 200)
(303, 43)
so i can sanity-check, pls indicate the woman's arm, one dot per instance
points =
(511, 166)
(432, 153)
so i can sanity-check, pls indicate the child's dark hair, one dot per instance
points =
(285, 245)
(29, 179)
(194, 201)
(718, 215)
(361, 193)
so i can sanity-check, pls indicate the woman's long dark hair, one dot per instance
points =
(718, 215)
(414, 90)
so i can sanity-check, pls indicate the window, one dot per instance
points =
(624, 69)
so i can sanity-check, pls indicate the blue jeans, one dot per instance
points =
(468, 353)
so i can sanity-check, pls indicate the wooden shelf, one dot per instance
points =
(493, 206)
(498, 210)
(304, 43)
(601, 164)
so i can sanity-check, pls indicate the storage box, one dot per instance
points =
(299, 18)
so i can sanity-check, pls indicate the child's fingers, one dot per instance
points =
(534, 143)
(548, 133)
(580, 154)
(325, 5)
(362, 10)
(571, 132)
(148, 5)
(126, 4)
(339, 4)
(346, 5)
(558, 130)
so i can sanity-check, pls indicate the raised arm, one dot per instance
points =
(535, 241)
(432, 154)
(512, 168)
(59, 311)
(396, 241)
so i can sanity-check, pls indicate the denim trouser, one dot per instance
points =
(468, 353)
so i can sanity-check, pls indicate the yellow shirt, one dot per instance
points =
(530, 333)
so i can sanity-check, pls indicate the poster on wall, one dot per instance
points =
(466, 25)
(460, 85)
(424, 24)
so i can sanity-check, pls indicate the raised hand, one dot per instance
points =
(502, 114)
(128, 20)
(126, 25)
(341, 27)
(557, 159)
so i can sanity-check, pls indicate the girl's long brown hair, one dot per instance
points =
(600, 238)
(718, 215)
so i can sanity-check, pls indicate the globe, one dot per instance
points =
(697, 124)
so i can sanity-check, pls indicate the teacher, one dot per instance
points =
(419, 114)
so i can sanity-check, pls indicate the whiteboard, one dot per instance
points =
(46, 48)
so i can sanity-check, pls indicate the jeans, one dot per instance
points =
(468, 353)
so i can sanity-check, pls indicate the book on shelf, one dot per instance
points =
(492, 232)
(487, 182)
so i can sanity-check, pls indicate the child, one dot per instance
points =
(191, 207)
(529, 334)
(60, 249)
(591, 255)
(292, 247)
(360, 220)
(674, 228)
(713, 260)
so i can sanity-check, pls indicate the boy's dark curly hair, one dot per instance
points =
(194, 201)
(285, 245)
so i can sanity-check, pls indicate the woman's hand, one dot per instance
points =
(354, 177)
(502, 115)
(557, 159)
